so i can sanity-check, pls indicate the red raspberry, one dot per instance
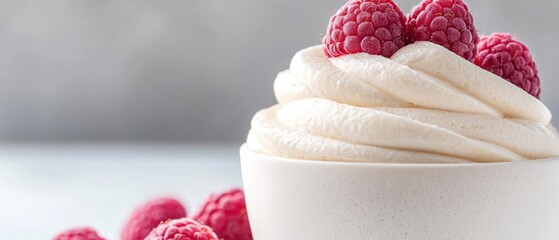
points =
(83, 233)
(182, 229)
(510, 59)
(226, 214)
(371, 26)
(150, 214)
(444, 22)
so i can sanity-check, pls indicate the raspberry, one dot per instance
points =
(83, 233)
(448, 23)
(182, 229)
(149, 215)
(226, 214)
(510, 59)
(371, 26)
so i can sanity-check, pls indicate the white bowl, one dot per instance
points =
(291, 199)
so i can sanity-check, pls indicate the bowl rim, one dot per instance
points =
(244, 149)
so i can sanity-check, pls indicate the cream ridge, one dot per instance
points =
(423, 105)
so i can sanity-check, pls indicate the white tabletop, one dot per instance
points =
(48, 188)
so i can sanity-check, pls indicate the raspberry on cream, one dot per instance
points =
(510, 59)
(371, 26)
(448, 23)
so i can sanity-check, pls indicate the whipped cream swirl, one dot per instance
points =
(423, 105)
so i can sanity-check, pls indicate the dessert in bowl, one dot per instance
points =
(404, 128)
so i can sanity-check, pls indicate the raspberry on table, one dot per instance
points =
(370, 26)
(182, 229)
(510, 59)
(82, 233)
(226, 214)
(448, 23)
(149, 215)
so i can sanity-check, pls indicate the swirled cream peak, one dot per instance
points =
(423, 105)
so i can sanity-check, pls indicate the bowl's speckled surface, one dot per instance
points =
(301, 199)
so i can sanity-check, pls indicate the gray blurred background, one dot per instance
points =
(100, 70)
